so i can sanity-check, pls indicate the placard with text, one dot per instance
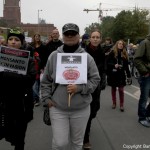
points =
(71, 68)
(14, 60)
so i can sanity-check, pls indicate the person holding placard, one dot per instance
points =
(69, 99)
(16, 104)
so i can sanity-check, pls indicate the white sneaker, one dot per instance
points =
(148, 119)
(37, 104)
(87, 146)
(145, 123)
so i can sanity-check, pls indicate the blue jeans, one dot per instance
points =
(36, 88)
(143, 109)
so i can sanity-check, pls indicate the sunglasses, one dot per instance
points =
(71, 33)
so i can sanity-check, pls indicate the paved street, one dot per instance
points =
(111, 130)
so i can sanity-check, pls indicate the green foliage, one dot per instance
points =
(106, 26)
(126, 25)
(92, 27)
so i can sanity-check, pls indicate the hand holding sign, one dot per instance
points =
(71, 70)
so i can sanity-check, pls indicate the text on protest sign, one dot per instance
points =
(71, 68)
(14, 60)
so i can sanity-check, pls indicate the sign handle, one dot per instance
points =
(69, 98)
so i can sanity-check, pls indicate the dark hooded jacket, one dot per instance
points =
(142, 57)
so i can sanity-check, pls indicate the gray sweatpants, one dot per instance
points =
(68, 128)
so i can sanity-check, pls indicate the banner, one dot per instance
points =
(71, 68)
(14, 60)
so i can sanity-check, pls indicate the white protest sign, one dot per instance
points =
(14, 60)
(71, 68)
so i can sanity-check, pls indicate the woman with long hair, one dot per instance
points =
(117, 70)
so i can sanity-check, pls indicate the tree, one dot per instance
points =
(106, 26)
(120, 28)
(126, 25)
(92, 27)
(141, 24)
(130, 25)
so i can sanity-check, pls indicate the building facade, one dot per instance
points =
(12, 17)
(11, 12)
(42, 29)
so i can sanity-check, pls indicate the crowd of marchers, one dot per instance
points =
(108, 63)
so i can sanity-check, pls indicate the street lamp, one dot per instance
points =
(38, 19)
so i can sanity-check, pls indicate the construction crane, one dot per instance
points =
(100, 10)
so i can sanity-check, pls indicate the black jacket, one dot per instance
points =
(52, 46)
(16, 105)
(42, 51)
(117, 77)
(99, 57)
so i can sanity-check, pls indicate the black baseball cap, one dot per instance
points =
(70, 27)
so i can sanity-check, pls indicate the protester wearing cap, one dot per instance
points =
(68, 122)
(16, 106)
(70, 27)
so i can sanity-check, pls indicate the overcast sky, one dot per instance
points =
(59, 12)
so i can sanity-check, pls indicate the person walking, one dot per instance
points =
(36, 86)
(85, 40)
(40, 48)
(16, 105)
(142, 63)
(3, 42)
(49, 38)
(117, 72)
(68, 122)
(53, 44)
(95, 50)
(107, 47)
